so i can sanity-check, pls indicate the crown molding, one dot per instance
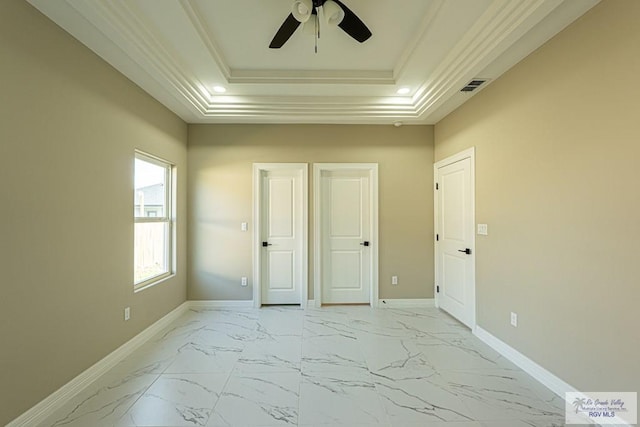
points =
(410, 50)
(365, 77)
(193, 14)
(480, 43)
(133, 42)
(314, 107)
(149, 53)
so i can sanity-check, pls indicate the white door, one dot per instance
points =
(455, 240)
(346, 236)
(282, 234)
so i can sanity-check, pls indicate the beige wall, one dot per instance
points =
(558, 144)
(220, 198)
(69, 124)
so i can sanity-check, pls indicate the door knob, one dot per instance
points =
(365, 243)
(265, 244)
(466, 251)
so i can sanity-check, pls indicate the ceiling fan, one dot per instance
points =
(335, 13)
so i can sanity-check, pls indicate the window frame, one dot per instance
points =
(168, 218)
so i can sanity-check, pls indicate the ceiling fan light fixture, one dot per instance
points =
(333, 13)
(301, 10)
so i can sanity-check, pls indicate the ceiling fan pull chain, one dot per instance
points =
(317, 31)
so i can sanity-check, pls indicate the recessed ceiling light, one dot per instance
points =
(219, 89)
(403, 91)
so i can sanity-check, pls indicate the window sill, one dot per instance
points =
(156, 281)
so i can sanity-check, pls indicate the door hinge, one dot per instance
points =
(438, 289)
(437, 186)
(437, 237)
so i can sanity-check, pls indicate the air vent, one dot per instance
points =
(473, 85)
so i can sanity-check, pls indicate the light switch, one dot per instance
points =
(483, 229)
(244, 226)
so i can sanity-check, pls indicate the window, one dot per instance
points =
(153, 246)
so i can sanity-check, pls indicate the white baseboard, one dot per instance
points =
(221, 304)
(393, 303)
(233, 304)
(402, 303)
(58, 398)
(549, 380)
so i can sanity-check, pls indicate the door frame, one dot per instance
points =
(258, 170)
(469, 153)
(318, 169)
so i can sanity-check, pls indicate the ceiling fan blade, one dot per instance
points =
(287, 28)
(352, 25)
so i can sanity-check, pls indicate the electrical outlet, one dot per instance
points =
(244, 226)
(243, 281)
(514, 319)
(127, 313)
(394, 280)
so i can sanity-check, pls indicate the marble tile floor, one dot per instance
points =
(334, 366)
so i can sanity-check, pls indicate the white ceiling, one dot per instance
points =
(178, 50)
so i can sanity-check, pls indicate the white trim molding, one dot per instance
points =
(45, 408)
(549, 380)
(546, 378)
(221, 304)
(405, 303)
(144, 50)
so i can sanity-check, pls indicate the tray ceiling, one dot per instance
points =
(180, 50)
